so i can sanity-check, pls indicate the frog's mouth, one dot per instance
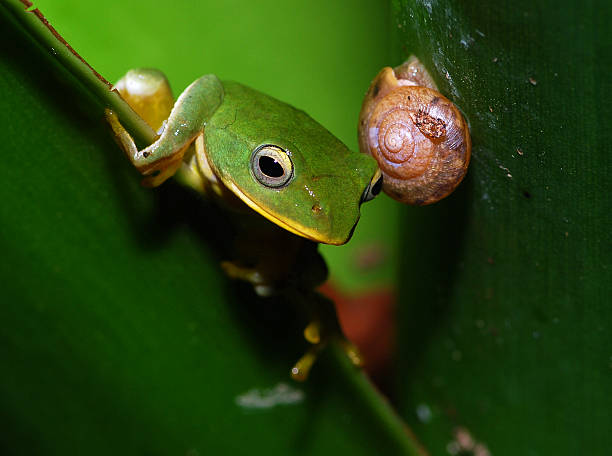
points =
(298, 230)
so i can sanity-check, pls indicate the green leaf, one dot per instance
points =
(505, 306)
(119, 333)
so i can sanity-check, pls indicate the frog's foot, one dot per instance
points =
(185, 122)
(312, 332)
(148, 92)
(351, 351)
(261, 285)
(301, 369)
(316, 334)
(157, 171)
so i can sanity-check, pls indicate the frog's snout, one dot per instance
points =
(323, 223)
(329, 211)
(333, 228)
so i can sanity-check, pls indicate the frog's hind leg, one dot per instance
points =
(319, 341)
(301, 369)
(185, 122)
(323, 329)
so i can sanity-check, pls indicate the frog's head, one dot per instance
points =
(287, 167)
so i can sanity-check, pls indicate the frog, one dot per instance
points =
(289, 183)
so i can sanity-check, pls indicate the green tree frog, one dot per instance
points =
(259, 157)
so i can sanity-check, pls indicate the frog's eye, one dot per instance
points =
(271, 166)
(373, 188)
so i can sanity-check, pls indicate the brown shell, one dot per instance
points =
(418, 137)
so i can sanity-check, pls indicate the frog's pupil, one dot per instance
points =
(270, 167)
(377, 187)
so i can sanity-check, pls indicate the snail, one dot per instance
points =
(418, 137)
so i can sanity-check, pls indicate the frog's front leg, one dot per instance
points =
(266, 270)
(186, 121)
(262, 285)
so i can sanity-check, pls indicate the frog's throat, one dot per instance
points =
(299, 231)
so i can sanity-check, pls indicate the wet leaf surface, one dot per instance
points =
(504, 330)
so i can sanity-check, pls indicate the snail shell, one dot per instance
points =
(418, 137)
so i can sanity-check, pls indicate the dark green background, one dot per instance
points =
(505, 309)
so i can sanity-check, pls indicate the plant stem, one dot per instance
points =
(52, 42)
(377, 404)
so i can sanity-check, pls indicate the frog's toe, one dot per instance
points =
(159, 176)
(301, 369)
(352, 352)
(264, 290)
(312, 332)
(261, 285)
(235, 271)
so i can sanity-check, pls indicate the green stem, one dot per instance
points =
(46, 36)
(52, 42)
(377, 404)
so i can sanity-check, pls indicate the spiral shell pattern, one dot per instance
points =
(418, 137)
